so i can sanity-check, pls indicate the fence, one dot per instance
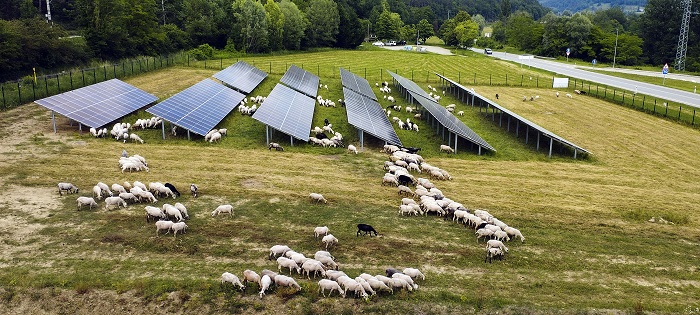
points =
(23, 91)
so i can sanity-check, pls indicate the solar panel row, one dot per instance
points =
(514, 115)
(288, 111)
(241, 76)
(200, 107)
(440, 113)
(98, 104)
(366, 114)
(301, 80)
(356, 83)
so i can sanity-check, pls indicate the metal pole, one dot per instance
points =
(267, 134)
(615, 53)
(551, 141)
(53, 120)
(163, 127)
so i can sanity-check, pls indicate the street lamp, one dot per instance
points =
(615, 53)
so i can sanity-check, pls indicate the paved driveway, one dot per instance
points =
(432, 49)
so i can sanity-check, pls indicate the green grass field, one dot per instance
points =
(589, 247)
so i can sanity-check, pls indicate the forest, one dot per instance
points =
(83, 31)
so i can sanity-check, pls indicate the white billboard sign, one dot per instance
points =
(560, 83)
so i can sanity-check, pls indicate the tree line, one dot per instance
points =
(114, 29)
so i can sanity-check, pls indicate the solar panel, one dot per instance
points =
(366, 114)
(356, 83)
(301, 80)
(516, 116)
(98, 104)
(440, 113)
(241, 76)
(288, 111)
(200, 107)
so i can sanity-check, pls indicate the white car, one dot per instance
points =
(378, 43)
(391, 43)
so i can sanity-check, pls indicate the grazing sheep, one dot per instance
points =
(398, 283)
(366, 228)
(405, 190)
(378, 285)
(284, 281)
(329, 240)
(153, 213)
(446, 148)
(460, 113)
(485, 233)
(322, 253)
(320, 230)
(492, 253)
(352, 148)
(287, 263)
(223, 131)
(67, 187)
(513, 233)
(177, 227)
(569, 95)
(501, 235)
(276, 146)
(265, 282)
(406, 278)
(316, 198)
(222, 209)
(118, 188)
(136, 138)
(172, 189)
(328, 262)
(128, 197)
(140, 185)
(86, 201)
(312, 265)
(233, 279)
(557, 93)
(325, 284)
(114, 201)
(414, 273)
(278, 250)
(164, 225)
(215, 137)
(193, 190)
(251, 276)
(496, 244)
(183, 210)
(407, 210)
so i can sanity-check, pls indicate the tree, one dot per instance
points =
(204, 22)
(350, 32)
(659, 28)
(505, 10)
(425, 29)
(250, 26)
(275, 25)
(323, 19)
(480, 20)
(466, 32)
(523, 32)
(447, 29)
(579, 32)
(629, 48)
(388, 25)
(294, 26)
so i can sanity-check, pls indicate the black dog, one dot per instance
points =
(172, 188)
(365, 228)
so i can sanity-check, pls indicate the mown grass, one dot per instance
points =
(589, 247)
(682, 85)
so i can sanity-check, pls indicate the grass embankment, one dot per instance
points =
(589, 246)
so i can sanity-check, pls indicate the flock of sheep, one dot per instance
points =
(325, 266)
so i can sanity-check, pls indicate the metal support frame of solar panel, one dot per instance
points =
(288, 111)
(200, 107)
(444, 117)
(367, 115)
(301, 80)
(516, 116)
(241, 76)
(98, 104)
(357, 84)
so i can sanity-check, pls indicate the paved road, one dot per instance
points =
(570, 70)
(432, 49)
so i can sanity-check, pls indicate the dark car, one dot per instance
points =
(401, 43)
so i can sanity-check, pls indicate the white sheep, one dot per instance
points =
(233, 279)
(365, 285)
(128, 197)
(501, 235)
(496, 244)
(215, 137)
(407, 210)
(177, 227)
(328, 262)
(513, 233)
(193, 190)
(492, 253)
(352, 148)
(251, 276)
(414, 273)
(114, 201)
(183, 210)
(284, 281)
(569, 95)
(322, 253)
(378, 285)
(446, 148)
(136, 138)
(171, 211)
(163, 225)
(356, 287)
(222, 209)
(278, 250)
(391, 99)
(223, 131)
(316, 198)
(86, 201)
(154, 213)
(287, 263)
(460, 113)
(118, 188)
(320, 230)
(405, 190)
(335, 275)
(312, 265)
(329, 240)
(140, 185)
(67, 187)
(406, 278)
(265, 282)
(486, 233)
(325, 284)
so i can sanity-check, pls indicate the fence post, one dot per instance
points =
(82, 71)
(19, 92)
(104, 68)
(205, 63)
(4, 104)
(411, 74)
(644, 99)
(270, 67)
(71, 79)
(146, 64)
(132, 66)
(123, 70)
(679, 112)
(221, 63)
(34, 89)
(58, 81)
(692, 123)
(521, 79)
(46, 82)
(114, 69)
(94, 75)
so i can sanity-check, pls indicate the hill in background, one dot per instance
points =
(627, 6)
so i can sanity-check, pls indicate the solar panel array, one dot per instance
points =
(516, 116)
(301, 80)
(200, 107)
(366, 114)
(241, 76)
(98, 104)
(288, 111)
(356, 83)
(440, 113)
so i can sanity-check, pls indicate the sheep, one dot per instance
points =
(182, 209)
(446, 148)
(265, 282)
(287, 263)
(276, 146)
(105, 188)
(492, 253)
(322, 253)
(557, 93)
(408, 210)
(316, 198)
(284, 281)
(268, 273)
(365, 285)
(118, 188)
(496, 244)
(325, 284)
(86, 201)
(366, 228)
(193, 190)
(335, 275)
(114, 201)
(233, 279)
(355, 287)
(251, 276)
(460, 113)
(501, 235)
(278, 250)
(163, 225)
(390, 179)
(147, 195)
(329, 240)
(352, 148)
(414, 273)
(223, 131)
(405, 190)
(222, 209)
(569, 95)
(483, 233)
(414, 127)
(513, 233)
(378, 285)
(215, 137)
(171, 211)
(398, 283)
(320, 230)
(328, 129)
(67, 187)
(391, 99)
(417, 116)
(140, 185)
(179, 226)
(153, 213)
(314, 266)
(136, 138)
(128, 197)
(409, 280)
(172, 189)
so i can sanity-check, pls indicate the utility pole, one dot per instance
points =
(615, 54)
(162, 5)
(48, 12)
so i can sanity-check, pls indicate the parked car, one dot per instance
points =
(378, 43)
(488, 51)
(401, 43)
(391, 43)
